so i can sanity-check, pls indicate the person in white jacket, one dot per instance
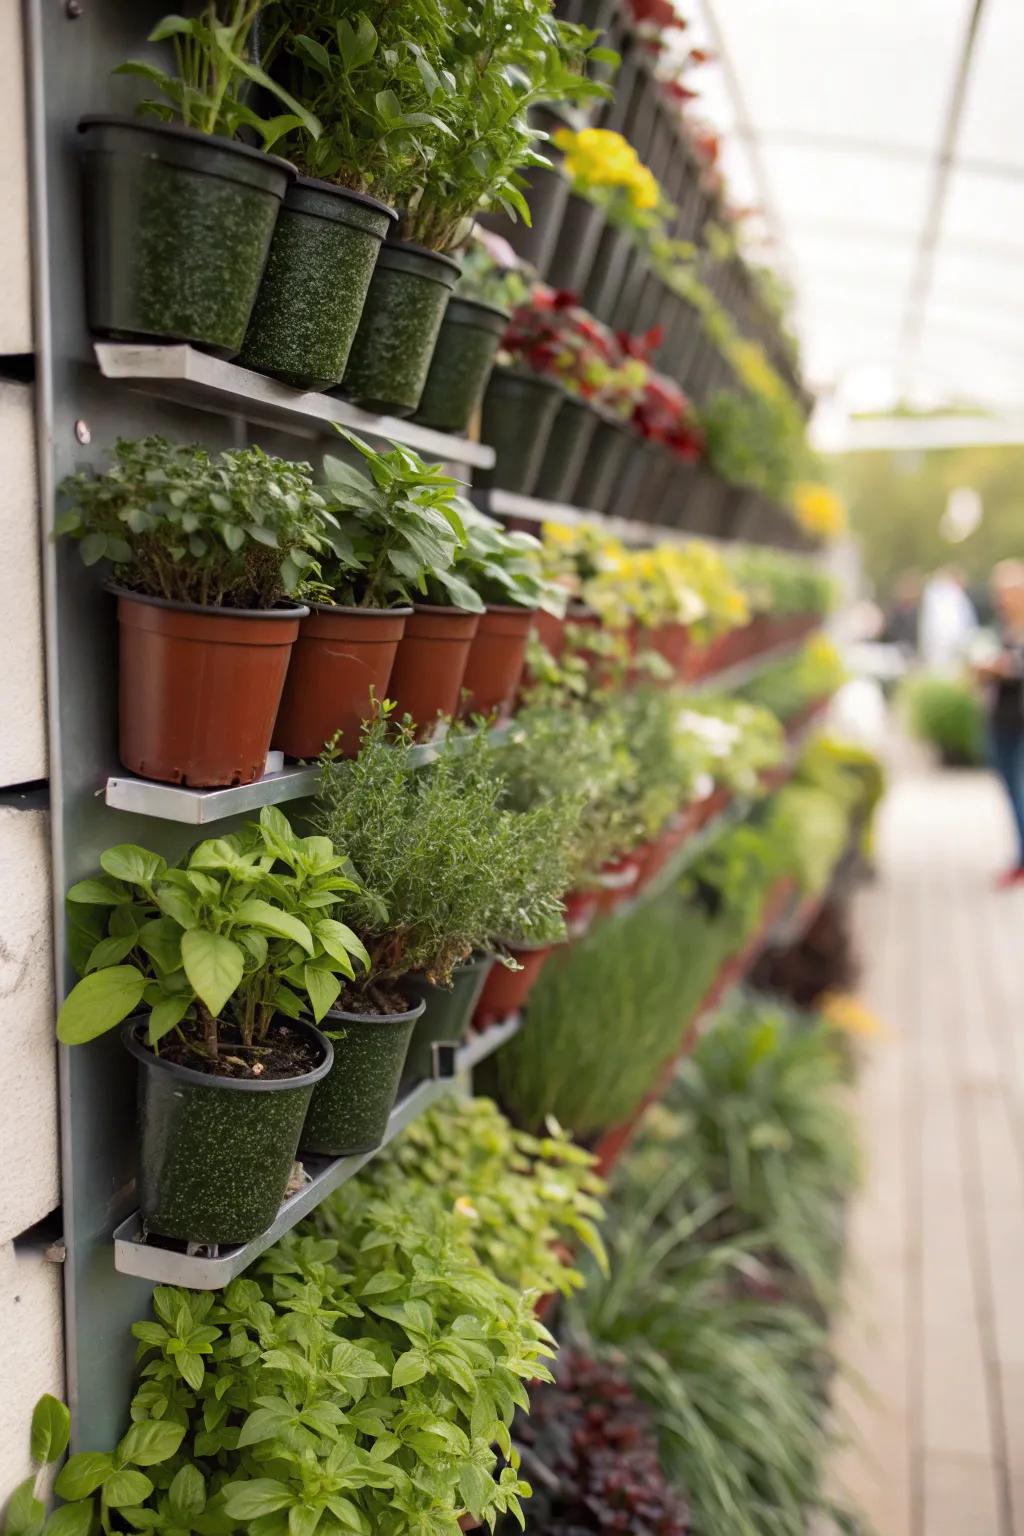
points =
(947, 621)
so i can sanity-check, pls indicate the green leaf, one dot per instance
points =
(303, 1519)
(93, 548)
(96, 893)
(166, 1015)
(187, 1494)
(323, 989)
(410, 1367)
(259, 1496)
(273, 920)
(26, 1514)
(265, 1424)
(213, 964)
(126, 1487)
(135, 865)
(98, 1003)
(51, 1429)
(110, 952)
(388, 105)
(150, 1442)
(83, 1474)
(71, 1519)
(161, 939)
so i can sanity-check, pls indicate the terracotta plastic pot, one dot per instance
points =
(215, 1153)
(349, 1110)
(341, 657)
(618, 881)
(321, 261)
(430, 664)
(506, 992)
(673, 642)
(199, 687)
(580, 911)
(405, 304)
(177, 230)
(496, 660)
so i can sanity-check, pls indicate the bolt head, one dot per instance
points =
(82, 432)
(73, 9)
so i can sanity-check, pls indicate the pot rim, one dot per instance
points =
(524, 947)
(366, 613)
(179, 131)
(515, 608)
(526, 376)
(464, 298)
(315, 184)
(149, 1058)
(289, 609)
(411, 1015)
(446, 608)
(421, 250)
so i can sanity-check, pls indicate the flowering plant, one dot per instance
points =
(819, 510)
(604, 167)
(552, 335)
(664, 415)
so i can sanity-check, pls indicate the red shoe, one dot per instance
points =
(1009, 878)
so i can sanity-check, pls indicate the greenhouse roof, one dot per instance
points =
(880, 142)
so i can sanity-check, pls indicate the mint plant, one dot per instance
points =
(214, 70)
(235, 530)
(240, 929)
(394, 528)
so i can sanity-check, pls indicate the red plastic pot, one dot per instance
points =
(342, 658)
(580, 911)
(618, 881)
(199, 687)
(496, 660)
(505, 992)
(430, 664)
(706, 810)
(674, 643)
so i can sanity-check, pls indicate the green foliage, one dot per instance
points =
(946, 712)
(789, 686)
(811, 828)
(233, 530)
(730, 741)
(756, 439)
(779, 584)
(445, 865)
(372, 75)
(726, 1237)
(497, 567)
(241, 928)
(394, 529)
(214, 73)
(521, 1197)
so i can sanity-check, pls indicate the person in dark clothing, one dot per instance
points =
(1004, 676)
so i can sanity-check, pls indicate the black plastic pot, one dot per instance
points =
(405, 304)
(626, 500)
(446, 1015)
(569, 440)
(518, 413)
(603, 465)
(461, 364)
(680, 486)
(577, 244)
(177, 225)
(321, 261)
(604, 280)
(350, 1107)
(215, 1153)
(628, 297)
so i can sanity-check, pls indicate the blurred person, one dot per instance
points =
(901, 619)
(1003, 674)
(947, 621)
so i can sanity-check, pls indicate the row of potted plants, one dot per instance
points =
(325, 256)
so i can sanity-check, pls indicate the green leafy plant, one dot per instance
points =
(730, 742)
(214, 72)
(236, 530)
(498, 567)
(523, 1198)
(445, 867)
(792, 685)
(396, 526)
(779, 584)
(947, 714)
(239, 930)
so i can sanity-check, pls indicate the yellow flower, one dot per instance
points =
(849, 1015)
(820, 510)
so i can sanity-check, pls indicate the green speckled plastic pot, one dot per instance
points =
(351, 1105)
(567, 449)
(215, 1153)
(518, 414)
(177, 225)
(405, 304)
(461, 364)
(446, 1015)
(321, 261)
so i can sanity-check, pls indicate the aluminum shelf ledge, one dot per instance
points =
(510, 504)
(178, 372)
(158, 1260)
(200, 807)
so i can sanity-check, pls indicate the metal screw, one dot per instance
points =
(82, 431)
(73, 9)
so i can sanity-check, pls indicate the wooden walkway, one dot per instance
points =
(935, 1318)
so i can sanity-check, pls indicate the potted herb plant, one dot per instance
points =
(393, 525)
(180, 212)
(210, 557)
(445, 866)
(226, 953)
